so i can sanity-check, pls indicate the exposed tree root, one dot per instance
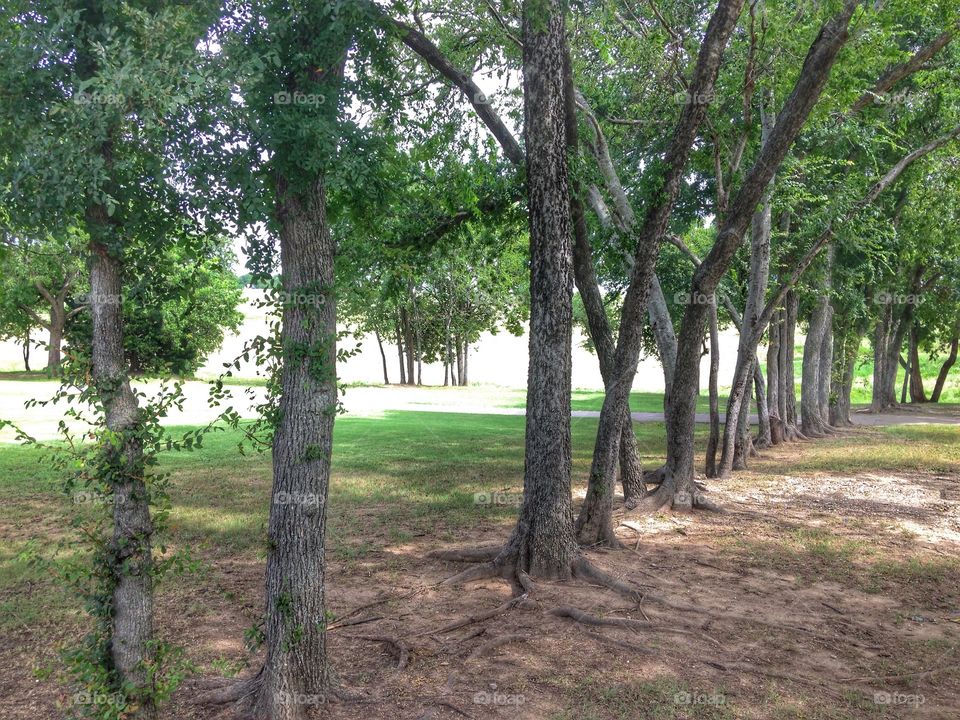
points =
(520, 601)
(240, 691)
(471, 555)
(667, 497)
(491, 645)
(586, 618)
(584, 570)
(400, 648)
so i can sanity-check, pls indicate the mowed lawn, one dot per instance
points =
(405, 480)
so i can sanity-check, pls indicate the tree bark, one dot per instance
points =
(945, 369)
(678, 487)
(631, 470)
(773, 379)
(787, 369)
(811, 422)
(26, 351)
(713, 441)
(543, 543)
(917, 393)
(760, 232)
(400, 354)
(383, 357)
(295, 674)
(122, 466)
(594, 523)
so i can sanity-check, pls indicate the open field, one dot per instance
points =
(825, 590)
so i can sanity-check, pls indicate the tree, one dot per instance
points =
(39, 278)
(99, 88)
(178, 302)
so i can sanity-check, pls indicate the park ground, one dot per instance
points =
(830, 589)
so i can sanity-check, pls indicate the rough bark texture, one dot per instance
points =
(773, 379)
(543, 543)
(295, 674)
(631, 471)
(764, 432)
(787, 349)
(594, 523)
(681, 420)
(945, 369)
(713, 440)
(760, 231)
(123, 466)
(917, 393)
(812, 423)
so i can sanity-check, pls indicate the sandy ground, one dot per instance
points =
(741, 615)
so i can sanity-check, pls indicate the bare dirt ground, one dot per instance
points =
(816, 595)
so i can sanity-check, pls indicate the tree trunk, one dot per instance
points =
(945, 369)
(383, 357)
(464, 369)
(678, 489)
(743, 443)
(408, 344)
(58, 321)
(26, 351)
(811, 422)
(773, 379)
(917, 393)
(122, 466)
(400, 355)
(826, 367)
(846, 348)
(764, 432)
(594, 523)
(713, 441)
(543, 543)
(295, 674)
(631, 470)
(735, 444)
(448, 355)
(787, 369)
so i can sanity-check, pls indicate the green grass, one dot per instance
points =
(22, 375)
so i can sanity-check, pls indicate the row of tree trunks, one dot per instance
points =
(813, 421)
(594, 523)
(736, 435)
(889, 331)
(678, 489)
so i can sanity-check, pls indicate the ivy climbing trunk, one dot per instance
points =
(295, 675)
(122, 467)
